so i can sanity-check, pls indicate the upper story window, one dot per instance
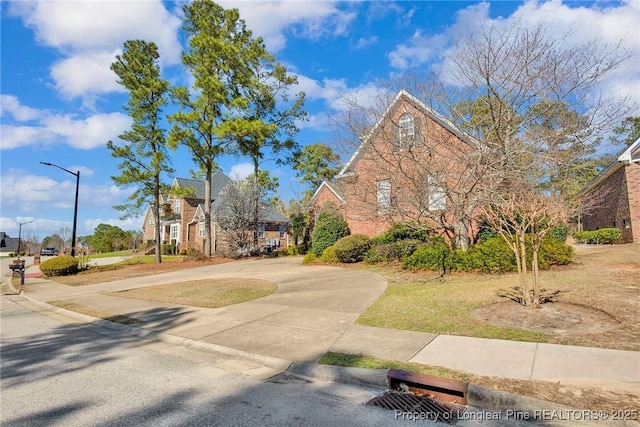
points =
(201, 229)
(384, 194)
(261, 229)
(176, 206)
(406, 129)
(283, 229)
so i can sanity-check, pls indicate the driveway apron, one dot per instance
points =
(311, 309)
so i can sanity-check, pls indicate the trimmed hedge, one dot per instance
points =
(352, 248)
(401, 231)
(60, 266)
(490, 256)
(309, 258)
(601, 236)
(329, 255)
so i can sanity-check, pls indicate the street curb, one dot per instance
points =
(357, 376)
(266, 361)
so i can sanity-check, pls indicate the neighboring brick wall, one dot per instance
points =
(607, 205)
(632, 173)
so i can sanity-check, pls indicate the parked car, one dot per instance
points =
(49, 252)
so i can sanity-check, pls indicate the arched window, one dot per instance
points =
(406, 129)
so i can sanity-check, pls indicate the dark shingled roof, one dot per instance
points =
(218, 181)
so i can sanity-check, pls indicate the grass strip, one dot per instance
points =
(94, 312)
(357, 361)
(208, 293)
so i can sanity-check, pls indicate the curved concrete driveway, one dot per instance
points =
(311, 309)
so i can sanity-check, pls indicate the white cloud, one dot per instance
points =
(583, 24)
(101, 25)
(86, 75)
(134, 224)
(91, 132)
(271, 20)
(366, 42)
(28, 193)
(89, 34)
(9, 105)
(49, 128)
(240, 171)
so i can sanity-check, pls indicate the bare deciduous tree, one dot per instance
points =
(234, 212)
(523, 218)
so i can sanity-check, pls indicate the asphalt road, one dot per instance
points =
(55, 372)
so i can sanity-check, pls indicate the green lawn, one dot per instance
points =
(426, 302)
(111, 254)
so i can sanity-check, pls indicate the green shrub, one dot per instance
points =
(329, 255)
(60, 266)
(352, 248)
(402, 231)
(558, 233)
(486, 233)
(601, 236)
(309, 258)
(300, 249)
(581, 236)
(329, 228)
(406, 247)
(381, 252)
(609, 235)
(436, 255)
(490, 256)
(553, 252)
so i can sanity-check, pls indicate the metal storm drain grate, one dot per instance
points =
(419, 396)
(408, 405)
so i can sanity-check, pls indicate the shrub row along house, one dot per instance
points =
(183, 221)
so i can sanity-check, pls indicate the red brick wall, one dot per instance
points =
(632, 173)
(437, 152)
(607, 205)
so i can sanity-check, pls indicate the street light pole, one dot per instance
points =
(20, 234)
(75, 209)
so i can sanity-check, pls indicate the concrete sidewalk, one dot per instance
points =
(313, 311)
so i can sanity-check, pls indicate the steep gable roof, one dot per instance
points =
(335, 187)
(404, 96)
(218, 181)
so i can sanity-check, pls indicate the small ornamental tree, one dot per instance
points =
(329, 228)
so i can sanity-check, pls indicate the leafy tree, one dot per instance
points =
(267, 116)
(219, 60)
(628, 131)
(107, 238)
(316, 163)
(144, 158)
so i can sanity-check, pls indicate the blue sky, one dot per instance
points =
(61, 103)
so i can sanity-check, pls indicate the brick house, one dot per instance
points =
(406, 169)
(612, 199)
(183, 219)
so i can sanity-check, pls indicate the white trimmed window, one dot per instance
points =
(406, 129)
(283, 229)
(384, 194)
(174, 233)
(437, 195)
(201, 229)
(261, 229)
(176, 206)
